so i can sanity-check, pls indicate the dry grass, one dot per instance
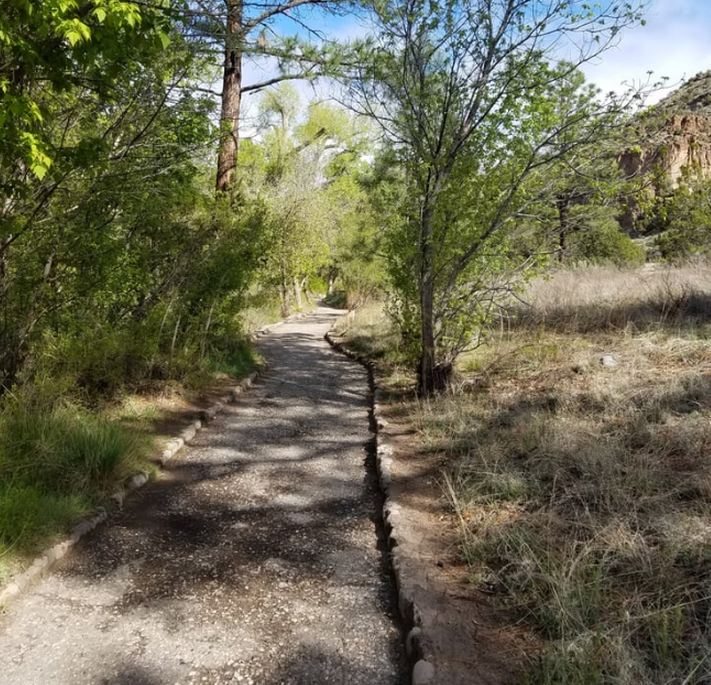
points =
(370, 332)
(605, 298)
(583, 490)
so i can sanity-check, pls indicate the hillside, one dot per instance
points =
(680, 134)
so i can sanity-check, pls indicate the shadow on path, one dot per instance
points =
(253, 560)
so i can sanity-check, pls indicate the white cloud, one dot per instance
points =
(674, 43)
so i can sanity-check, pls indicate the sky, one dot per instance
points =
(674, 43)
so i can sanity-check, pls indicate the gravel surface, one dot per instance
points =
(254, 560)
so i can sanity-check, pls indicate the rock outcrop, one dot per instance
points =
(679, 134)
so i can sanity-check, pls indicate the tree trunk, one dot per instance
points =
(432, 376)
(563, 225)
(427, 365)
(284, 293)
(175, 337)
(203, 346)
(297, 293)
(231, 96)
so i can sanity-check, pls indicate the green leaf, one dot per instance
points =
(164, 39)
(38, 160)
(74, 31)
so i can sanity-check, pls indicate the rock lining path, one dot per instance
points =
(254, 560)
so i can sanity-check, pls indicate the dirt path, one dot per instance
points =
(254, 560)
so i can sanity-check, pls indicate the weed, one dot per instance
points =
(56, 461)
(29, 515)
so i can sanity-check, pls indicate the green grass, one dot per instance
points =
(238, 361)
(66, 439)
(64, 449)
(29, 516)
(57, 461)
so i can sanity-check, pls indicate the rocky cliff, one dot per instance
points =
(679, 134)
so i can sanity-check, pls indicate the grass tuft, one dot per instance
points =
(57, 461)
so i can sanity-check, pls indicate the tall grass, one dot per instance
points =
(583, 491)
(57, 460)
(601, 298)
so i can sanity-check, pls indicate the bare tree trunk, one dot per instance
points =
(175, 337)
(332, 275)
(203, 346)
(433, 376)
(426, 371)
(563, 221)
(284, 292)
(231, 96)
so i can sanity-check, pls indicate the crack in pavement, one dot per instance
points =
(254, 560)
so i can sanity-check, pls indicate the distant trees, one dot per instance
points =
(466, 93)
(301, 167)
(581, 193)
(684, 219)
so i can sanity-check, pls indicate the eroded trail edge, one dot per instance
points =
(254, 560)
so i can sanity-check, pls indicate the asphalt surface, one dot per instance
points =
(254, 560)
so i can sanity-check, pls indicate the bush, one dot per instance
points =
(63, 448)
(598, 239)
(29, 515)
(688, 222)
(101, 361)
(337, 299)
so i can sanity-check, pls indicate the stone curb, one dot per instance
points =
(47, 559)
(422, 669)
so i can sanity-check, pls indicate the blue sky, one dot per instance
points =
(676, 43)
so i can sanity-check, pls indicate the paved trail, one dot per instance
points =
(254, 561)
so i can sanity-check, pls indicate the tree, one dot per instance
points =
(49, 47)
(355, 269)
(239, 29)
(65, 68)
(586, 186)
(684, 218)
(466, 93)
(114, 254)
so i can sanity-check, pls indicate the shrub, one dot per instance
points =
(101, 361)
(598, 239)
(63, 448)
(29, 515)
(688, 225)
